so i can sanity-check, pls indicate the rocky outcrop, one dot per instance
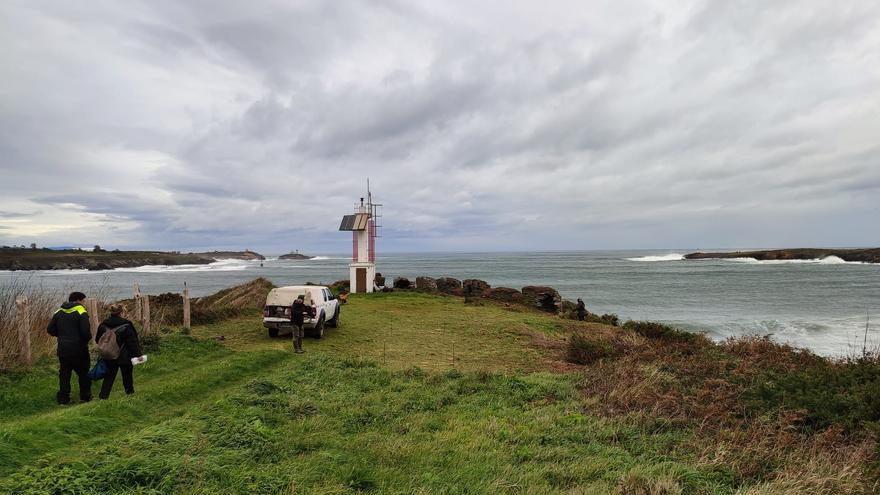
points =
(70, 259)
(871, 255)
(474, 286)
(504, 294)
(426, 284)
(449, 285)
(402, 283)
(295, 256)
(247, 254)
(542, 297)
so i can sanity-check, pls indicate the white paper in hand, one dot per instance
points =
(139, 360)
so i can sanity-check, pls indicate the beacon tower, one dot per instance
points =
(363, 226)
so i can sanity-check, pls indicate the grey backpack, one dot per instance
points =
(108, 347)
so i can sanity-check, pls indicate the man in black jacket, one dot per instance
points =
(298, 312)
(70, 324)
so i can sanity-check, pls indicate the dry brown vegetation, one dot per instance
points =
(718, 391)
(41, 304)
(166, 310)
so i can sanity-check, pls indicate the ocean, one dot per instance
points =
(819, 304)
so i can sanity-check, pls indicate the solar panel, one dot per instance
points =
(358, 221)
(347, 222)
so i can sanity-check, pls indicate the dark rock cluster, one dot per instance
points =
(427, 284)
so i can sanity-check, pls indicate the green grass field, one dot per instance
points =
(411, 394)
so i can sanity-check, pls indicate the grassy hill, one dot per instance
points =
(413, 393)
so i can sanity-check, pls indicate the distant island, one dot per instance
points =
(295, 256)
(247, 254)
(870, 255)
(22, 258)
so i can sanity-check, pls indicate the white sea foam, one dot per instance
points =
(828, 260)
(662, 257)
(227, 265)
(320, 258)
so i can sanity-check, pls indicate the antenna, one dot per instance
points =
(867, 322)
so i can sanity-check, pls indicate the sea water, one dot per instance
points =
(817, 304)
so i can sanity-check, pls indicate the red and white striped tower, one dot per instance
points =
(363, 227)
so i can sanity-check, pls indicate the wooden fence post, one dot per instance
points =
(186, 309)
(24, 329)
(146, 321)
(136, 295)
(94, 317)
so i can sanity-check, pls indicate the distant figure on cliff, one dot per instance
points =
(581, 310)
(70, 325)
(298, 311)
(129, 347)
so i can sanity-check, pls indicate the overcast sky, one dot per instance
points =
(481, 125)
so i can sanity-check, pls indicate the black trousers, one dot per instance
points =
(581, 316)
(80, 366)
(127, 378)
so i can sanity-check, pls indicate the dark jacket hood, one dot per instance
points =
(69, 305)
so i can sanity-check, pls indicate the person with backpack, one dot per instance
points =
(118, 343)
(70, 325)
(581, 310)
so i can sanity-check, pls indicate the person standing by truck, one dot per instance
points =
(298, 311)
(70, 325)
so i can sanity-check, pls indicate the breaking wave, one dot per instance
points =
(228, 265)
(662, 257)
(828, 260)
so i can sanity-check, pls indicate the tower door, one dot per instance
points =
(360, 280)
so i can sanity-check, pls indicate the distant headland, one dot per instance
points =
(247, 254)
(33, 258)
(870, 255)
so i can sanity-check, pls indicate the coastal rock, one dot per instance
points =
(449, 285)
(474, 287)
(543, 297)
(295, 256)
(402, 283)
(247, 254)
(65, 259)
(871, 255)
(426, 284)
(505, 294)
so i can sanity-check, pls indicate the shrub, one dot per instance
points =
(581, 349)
(845, 393)
(654, 330)
(150, 343)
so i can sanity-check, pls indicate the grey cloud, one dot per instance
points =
(620, 125)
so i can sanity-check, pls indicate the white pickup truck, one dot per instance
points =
(276, 312)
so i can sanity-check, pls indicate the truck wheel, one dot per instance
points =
(273, 332)
(318, 332)
(335, 321)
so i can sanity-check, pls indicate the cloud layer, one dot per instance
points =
(491, 127)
